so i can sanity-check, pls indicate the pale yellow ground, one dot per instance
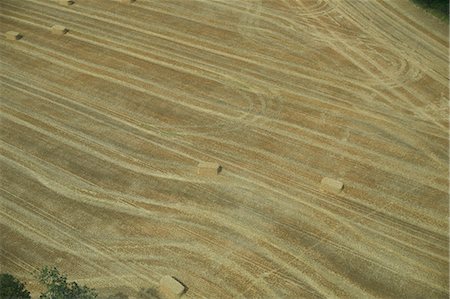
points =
(102, 129)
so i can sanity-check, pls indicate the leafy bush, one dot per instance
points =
(439, 7)
(58, 287)
(12, 288)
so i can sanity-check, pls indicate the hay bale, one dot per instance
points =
(59, 30)
(171, 288)
(13, 35)
(127, 1)
(66, 2)
(208, 168)
(331, 185)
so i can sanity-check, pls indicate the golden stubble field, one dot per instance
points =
(102, 129)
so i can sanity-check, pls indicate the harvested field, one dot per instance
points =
(103, 129)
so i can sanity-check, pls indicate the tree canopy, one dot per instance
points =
(12, 288)
(440, 7)
(59, 288)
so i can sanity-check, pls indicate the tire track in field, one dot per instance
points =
(221, 53)
(89, 150)
(363, 62)
(360, 230)
(185, 229)
(114, 80)
(303, 187)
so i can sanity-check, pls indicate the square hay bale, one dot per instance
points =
(13, 35)
(127, 1)
(59, 29)
(66, 2)
(171, 288)
(208, 168)
(331, 185)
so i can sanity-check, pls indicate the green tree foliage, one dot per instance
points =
(12, 288)
(440, 7)
(58, 287)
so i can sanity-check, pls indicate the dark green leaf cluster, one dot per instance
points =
(59, 288)
(439, 7)
(12, 288)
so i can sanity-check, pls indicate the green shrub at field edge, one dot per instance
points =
(440, 8)
(12, 288)
(58, 287)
